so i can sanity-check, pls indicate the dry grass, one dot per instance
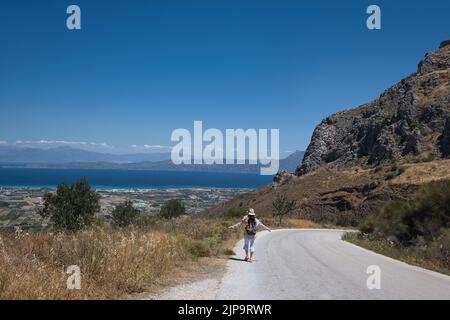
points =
(113, 263)
(117, 263)
(421, 173)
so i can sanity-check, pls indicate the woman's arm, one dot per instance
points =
(237, 225)
(262, 225)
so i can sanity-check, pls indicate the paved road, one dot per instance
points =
(317, 264)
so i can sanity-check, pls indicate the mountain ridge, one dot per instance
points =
(67, 159)
(14, 154)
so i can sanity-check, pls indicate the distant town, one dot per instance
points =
(19, 206)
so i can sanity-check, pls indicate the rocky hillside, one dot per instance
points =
(410, 120)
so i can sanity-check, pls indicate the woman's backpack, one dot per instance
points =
(250, 228)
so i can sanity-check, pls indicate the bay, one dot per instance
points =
(128, 179)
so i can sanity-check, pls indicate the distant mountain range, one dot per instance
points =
(13, 154)
(70, 158)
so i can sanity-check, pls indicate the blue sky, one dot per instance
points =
(140, 69)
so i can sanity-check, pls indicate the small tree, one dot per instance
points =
(72, 207)
(172, 209)
(282, 206)
(124, 214)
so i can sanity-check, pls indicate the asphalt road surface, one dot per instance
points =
(317, 264)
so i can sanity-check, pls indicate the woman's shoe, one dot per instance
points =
(246, 259)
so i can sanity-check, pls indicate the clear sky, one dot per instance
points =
(139, 69)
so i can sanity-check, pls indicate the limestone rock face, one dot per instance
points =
(410, 119)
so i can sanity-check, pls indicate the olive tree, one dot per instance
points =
(72, 207)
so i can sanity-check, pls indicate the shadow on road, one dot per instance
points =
(237, 259)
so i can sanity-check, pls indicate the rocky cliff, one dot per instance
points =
(409, 120)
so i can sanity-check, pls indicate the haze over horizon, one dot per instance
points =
(134, 73)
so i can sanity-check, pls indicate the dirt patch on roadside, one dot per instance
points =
(199, 281)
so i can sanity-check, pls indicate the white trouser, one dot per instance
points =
(249, 243)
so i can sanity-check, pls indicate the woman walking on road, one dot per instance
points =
(250, 224)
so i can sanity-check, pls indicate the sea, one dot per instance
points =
(128, 179)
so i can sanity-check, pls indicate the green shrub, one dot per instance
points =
(124, 214)
(72, 207)
(390, 220)
(197, 248)
(407, 222)
(172, 209)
